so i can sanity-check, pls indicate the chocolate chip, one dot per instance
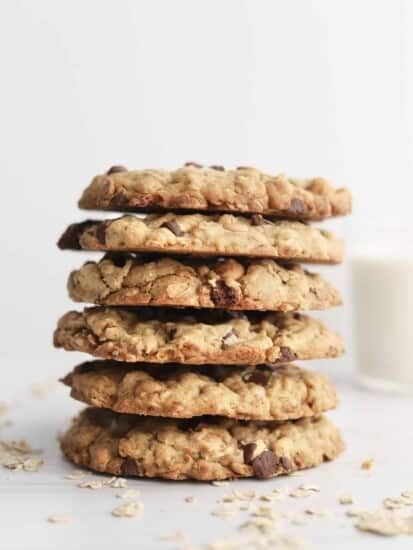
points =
(297, 206)
(257, 219)
(286, 464)
(286, 354)
(70, 238)
(266, 464)
(258, 376)
(170, 332)
(129, 467)
(245, 168)
(223, 295)
(116, 169)
(217, 167)
(229, 339)
(194, 164)
(101, 232)
(249, 450)
(173, 226)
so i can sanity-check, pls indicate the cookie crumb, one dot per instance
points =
(386, 522)
(224, 510)
(367, 464)
(244, 495)
(117, 483)
(319, 512)
(59, 519)
(130, 510)
(191, 499)
(176, 536)
(346, 498)
(91, 484)
(75, 475)
(220, 483)
(355, 512)
(128, 494)
(19, 455)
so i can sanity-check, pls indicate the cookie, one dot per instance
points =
(207, 448)
(126, 280)
(198, 234)
(214, 189)
(155, 335)
(247, 393)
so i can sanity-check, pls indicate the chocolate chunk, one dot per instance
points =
(218, 372)
(117, 258)
(249, 450)
(70, 238)
(217, 167)
(229, 339)
(258, 376)
(174, 227)
(286, 354)
(129, 467)
(257, 219)
(223, 295)
(101, 232)
(266, 464)
(116, 169)
(245, 168)
(297, 206)
(286, 464)
(194, 164)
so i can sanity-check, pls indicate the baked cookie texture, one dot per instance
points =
(206, 337)
(208, 448)
(199, 234)
(193, 187)
(261, 393)
(122, 279)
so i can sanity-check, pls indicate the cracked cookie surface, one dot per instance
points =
(208, 448)
(261, 393)
(245, 189)
(156, 335)
(198, 234)
(127, 280)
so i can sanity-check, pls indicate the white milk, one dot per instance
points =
(383, 323)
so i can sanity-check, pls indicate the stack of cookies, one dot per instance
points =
(195, 323)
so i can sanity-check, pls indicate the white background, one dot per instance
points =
(322, 87)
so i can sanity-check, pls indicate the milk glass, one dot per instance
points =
(382, 279)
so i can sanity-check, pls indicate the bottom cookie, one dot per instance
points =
(204, 448)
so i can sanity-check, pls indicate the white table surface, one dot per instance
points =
(374, 425)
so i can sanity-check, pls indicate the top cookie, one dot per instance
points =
(215, 189)
(207, 235)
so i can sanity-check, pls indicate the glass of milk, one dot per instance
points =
(382, 281)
